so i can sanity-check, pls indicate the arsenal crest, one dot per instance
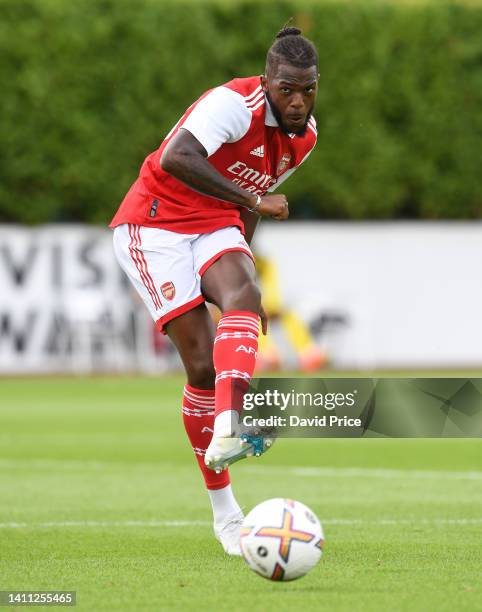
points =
(284, 163)
(168, 290)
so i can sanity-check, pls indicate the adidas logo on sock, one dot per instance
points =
(259, 151)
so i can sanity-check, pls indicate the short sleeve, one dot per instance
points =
(219, 117)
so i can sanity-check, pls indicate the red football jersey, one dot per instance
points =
(236, 126)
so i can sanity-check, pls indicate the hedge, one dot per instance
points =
(90, 87)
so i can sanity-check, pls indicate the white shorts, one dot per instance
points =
(166, 267)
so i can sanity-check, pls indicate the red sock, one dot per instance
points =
(235, 350)
(198, 417)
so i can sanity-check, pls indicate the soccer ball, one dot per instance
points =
(281, 539)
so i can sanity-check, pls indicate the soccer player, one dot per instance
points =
(182, 236)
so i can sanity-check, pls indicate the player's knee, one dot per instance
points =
(250, 292)
(246, 296)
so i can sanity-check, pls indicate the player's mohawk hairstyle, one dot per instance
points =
(293, 49)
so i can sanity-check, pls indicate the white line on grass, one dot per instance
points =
(110, 524)
(103, 524)
(334, 472)
(304, 471)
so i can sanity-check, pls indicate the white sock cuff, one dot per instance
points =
(223, 503)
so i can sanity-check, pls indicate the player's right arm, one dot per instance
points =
(218, 118)
(185, 158)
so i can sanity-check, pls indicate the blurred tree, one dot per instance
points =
(90, 87)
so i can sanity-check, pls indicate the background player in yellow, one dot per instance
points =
(270, 357)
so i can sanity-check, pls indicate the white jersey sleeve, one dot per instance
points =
(219, 117)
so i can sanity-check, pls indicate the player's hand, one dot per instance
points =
(274, 206)
(264, 320)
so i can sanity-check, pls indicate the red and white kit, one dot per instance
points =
(166, 267)
(166, 234)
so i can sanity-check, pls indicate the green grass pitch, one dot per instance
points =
(100, 493)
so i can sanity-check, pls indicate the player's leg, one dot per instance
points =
(193, 335)
(228, 279)
(230, 283)
(160, 266)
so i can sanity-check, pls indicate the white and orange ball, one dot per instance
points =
(281, 539)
